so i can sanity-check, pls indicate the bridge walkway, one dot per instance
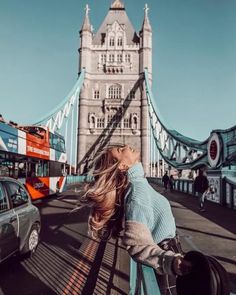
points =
(212, 232)
(68, 261)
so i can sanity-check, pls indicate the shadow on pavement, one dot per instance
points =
(216, 213)
(25, 283)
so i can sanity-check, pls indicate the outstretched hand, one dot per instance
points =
(181, 266)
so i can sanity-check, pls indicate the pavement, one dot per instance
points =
(69, 261)
(212, 232)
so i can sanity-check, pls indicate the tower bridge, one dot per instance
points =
(112, 102)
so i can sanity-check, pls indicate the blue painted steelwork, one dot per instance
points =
(175, 134)
(75, 89)
(182, 152)
(224, 194)
(57, 120)
(74, 179)
(142, 279)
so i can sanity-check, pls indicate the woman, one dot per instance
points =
(149, 235)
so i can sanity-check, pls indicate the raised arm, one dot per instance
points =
(141, 247)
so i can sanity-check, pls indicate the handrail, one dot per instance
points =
(142, 280)
(230, 180)
(74, 179)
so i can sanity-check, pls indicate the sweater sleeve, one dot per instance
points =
(141, 247)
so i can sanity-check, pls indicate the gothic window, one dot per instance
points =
(117, 123)
(114, 92)
(119, 58)
(103, 58)
(135, 123)
(103, 36)
(127, 57)
(96, 94)
(111, 57)
(114, 121)
(126, 123)
(109, 119)
(119, 41)
(132, 94)
(100, 123)
(92, 121)
(112, 41)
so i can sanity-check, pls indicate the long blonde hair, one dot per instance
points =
(106, 193)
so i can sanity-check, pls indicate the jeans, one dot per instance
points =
(201, 199)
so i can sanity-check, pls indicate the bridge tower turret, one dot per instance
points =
(112, 102)
(145, 62)
(146, 44)
(85, 42)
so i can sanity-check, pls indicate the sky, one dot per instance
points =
(194, 58)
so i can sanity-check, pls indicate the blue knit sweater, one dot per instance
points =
(146, 206)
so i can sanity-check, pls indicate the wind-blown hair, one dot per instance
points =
(106, 193)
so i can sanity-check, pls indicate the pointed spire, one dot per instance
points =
(86, 25)
(146, 9)
(117, 5)
(146, 22)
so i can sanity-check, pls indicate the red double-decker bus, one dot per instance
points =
(35, 156)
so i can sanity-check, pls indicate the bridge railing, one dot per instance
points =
(227, 192)
(182, 185)
(142, 280)
(74, 179)
(229, 189)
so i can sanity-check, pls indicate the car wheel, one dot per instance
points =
(32, 240)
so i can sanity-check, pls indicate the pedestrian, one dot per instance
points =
(165, 181)
(201, 185)
(120, 194)
(171, 183)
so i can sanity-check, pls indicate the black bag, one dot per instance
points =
(208, 277)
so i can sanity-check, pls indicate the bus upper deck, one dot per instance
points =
(35, 156)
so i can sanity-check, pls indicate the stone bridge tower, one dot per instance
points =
(113, 104)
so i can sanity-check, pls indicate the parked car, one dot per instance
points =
(19, 219)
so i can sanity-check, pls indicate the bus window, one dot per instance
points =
(57, 142)
(42, 169)
(7, 169)
(21, 170)
(31, 169)
(46, 168)
(36, 131)
(4, 171)
(38, 168)
(56, 169)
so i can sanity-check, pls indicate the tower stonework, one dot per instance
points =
(113, 103)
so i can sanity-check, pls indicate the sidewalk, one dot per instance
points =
(212, 232)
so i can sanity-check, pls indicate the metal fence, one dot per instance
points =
(74, 179)
(142, 280)
(229, 189)
(223, 191)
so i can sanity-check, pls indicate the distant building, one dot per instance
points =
(113, 104)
